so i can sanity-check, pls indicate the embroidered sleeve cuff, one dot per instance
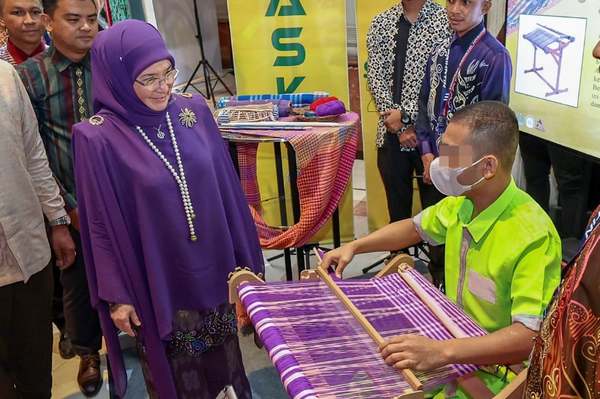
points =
(417, 221)
(531, 322)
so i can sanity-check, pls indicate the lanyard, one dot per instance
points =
(450, 93)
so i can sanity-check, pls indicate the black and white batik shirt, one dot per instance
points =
(430, 28)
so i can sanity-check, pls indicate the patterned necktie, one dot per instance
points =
(80, 93)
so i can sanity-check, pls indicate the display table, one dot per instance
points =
(320, 161)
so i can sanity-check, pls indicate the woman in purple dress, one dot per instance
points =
(163, 220)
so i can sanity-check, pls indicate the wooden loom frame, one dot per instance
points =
(400, 264)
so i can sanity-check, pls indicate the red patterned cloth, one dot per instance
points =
(324, 157)
(565, 362)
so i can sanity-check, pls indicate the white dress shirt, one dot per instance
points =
(28, 190)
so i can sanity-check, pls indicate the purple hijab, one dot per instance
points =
(120, 54)
(133, 227)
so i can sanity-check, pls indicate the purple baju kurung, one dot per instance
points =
(133, 225)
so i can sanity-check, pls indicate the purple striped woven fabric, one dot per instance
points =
(324, 157)
(321, 351)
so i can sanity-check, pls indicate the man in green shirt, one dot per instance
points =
(502, 251)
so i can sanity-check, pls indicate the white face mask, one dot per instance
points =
(445, 178)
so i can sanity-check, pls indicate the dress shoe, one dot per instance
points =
(89, 376)
(65, 349)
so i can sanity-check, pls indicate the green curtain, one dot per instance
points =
(126, 9)
(120, 10)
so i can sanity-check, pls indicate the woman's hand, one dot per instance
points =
(123, 315)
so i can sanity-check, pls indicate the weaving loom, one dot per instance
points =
(551, 42)
(323, 335)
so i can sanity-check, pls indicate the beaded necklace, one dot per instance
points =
(179, 176)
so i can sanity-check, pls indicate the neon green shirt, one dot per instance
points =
(502, 266)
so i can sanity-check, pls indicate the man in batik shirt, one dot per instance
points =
(399, 42)
(469, 67)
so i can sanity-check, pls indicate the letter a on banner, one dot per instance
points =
(295, 8)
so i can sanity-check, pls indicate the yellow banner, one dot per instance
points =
(290, 46)
(366, 10)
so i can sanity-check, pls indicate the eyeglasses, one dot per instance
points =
(153, 83)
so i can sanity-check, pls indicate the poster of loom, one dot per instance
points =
(555, 90)
(550, 57)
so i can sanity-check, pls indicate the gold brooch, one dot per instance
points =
(187, 117)
(96, 120)
(186, 95)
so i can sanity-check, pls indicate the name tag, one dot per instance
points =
(482, 287)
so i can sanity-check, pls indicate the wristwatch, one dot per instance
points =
(61, 221)
(406, 122)
(406, 119)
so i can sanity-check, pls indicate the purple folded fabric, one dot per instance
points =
(331, 108)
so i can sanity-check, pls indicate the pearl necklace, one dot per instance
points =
(178, 176)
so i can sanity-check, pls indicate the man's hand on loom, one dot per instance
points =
(124, 316)
(340, 256)
(415, 352)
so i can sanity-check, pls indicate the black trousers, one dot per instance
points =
(397, 168)
(26, 338)
(81, 320)
(572, 175)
